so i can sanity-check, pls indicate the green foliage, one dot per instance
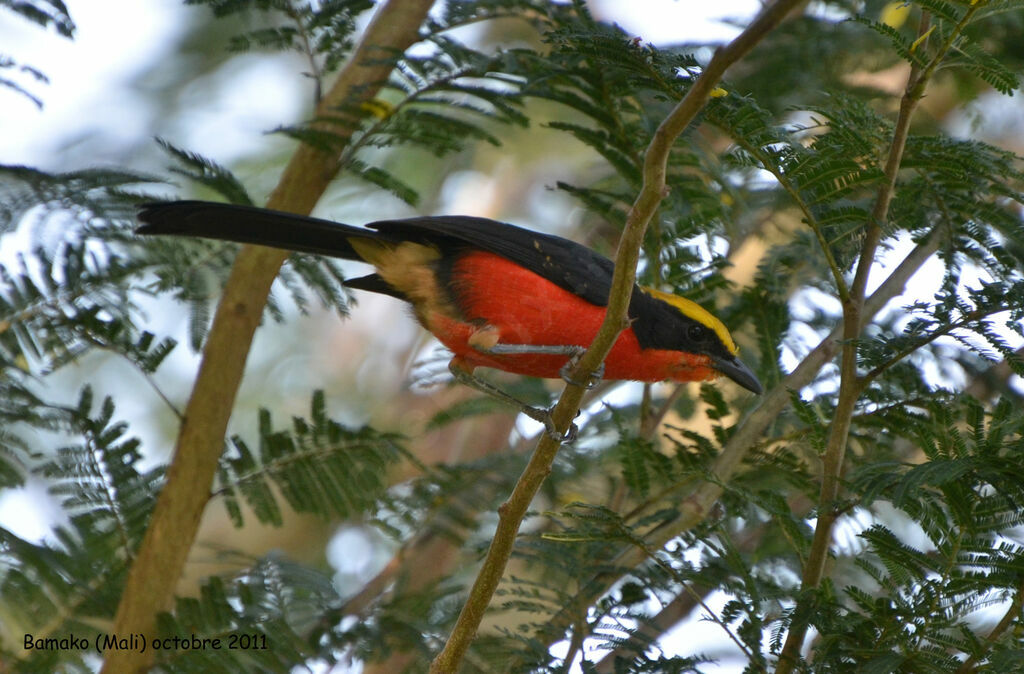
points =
(70, 583)
(917, 602)
(207, 173)
(322, 31)
(258, 620)
(67, 297)
(438, 102)
(790, 159)
(98, 481)
(318, 467)
(7, 63)
(614, 87)
(84, 193)
(195, 270)
(47, 13)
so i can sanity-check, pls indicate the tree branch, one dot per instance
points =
(694, 508)
(512, 512)
(152, 578)
(853, 322)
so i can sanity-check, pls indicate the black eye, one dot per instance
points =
(697, 333)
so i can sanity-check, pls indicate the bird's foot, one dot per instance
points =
(592, 380)
(544, 416)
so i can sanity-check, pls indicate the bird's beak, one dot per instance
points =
(734, 369)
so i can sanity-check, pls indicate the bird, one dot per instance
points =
(494, 294)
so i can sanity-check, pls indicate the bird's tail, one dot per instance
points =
(247, 224)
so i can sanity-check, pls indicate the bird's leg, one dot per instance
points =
(485, 340)
(463, 376)
(574, 352)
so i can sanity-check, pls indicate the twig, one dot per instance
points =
(653, 420)
(646, 632)
(307, 50)
(968, 318)
(808, 215)
(579, 633)
(512, 512)
(147, 376)
(151, 580)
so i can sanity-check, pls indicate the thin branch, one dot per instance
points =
(353, 147)
(698, 599)
(853, 321)
(652, 421)
(150, 584)
(579, 634)
(512, 512)
(147, 376)
(151, 380)
(671, 614)
(315, 73)
(787, 185)
(967, 319)
(1012, 614)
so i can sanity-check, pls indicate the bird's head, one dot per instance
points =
(696, 331)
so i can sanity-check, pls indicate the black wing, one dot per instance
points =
(565, 263)
(569, 265)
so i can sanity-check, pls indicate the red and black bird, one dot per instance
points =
(494, 294)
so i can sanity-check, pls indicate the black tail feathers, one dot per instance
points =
(248, 224)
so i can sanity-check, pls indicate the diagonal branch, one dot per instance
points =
(153, 576)
(793, 192)
(654, 189)
(967, 319)
(694, 508)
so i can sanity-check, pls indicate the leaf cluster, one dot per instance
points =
(72, 580)
(323, 32)
(438, 102)
(318, 467)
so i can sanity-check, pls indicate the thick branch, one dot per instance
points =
(512, 512)
(151, 580)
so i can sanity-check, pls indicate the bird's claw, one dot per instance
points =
(590, 382)
(544, 416)
(568, 438)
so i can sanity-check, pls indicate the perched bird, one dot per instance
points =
(494, 294)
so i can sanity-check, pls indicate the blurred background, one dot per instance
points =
(159, 69)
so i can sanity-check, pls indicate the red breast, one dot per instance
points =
(522, 307)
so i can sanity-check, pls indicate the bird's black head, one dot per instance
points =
(666, 321)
